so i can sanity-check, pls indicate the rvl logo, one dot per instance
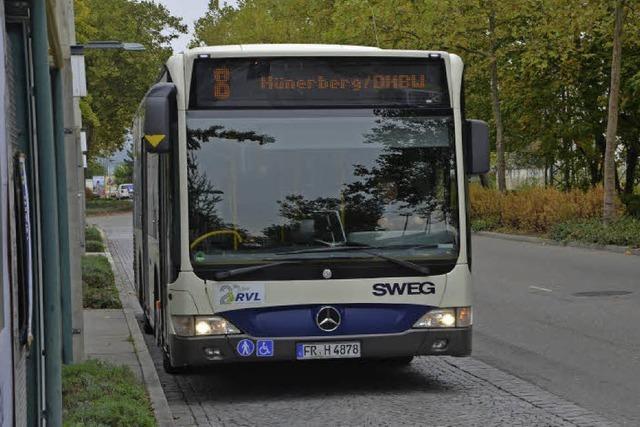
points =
(234, 294)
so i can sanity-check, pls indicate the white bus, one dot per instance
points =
(305, 202)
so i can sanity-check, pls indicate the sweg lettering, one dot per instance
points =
(406, 288)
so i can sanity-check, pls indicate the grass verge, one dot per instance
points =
(623, 232)
(93, 239)
(96, 393)
(98, 283)
(96, 207)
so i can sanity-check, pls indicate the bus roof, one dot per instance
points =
(183, 63)
(248, 50)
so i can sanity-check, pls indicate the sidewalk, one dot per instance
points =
(114, 335)
(107, 338)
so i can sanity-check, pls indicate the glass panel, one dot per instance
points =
(296, 82)
(293, 180)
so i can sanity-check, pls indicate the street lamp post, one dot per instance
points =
(114, 45)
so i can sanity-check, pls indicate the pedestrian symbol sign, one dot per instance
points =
(245, 347)
(264, 348)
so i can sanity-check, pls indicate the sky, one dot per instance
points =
(189, 11)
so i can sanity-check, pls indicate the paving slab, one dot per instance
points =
(107, 338)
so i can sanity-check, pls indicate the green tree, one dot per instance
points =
(95, 168)
(265, 21)
(123, 173)
(117, 80)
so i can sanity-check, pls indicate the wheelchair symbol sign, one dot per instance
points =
(264, 348)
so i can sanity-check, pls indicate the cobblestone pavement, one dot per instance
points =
(432, 391)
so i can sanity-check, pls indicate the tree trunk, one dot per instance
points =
(495, 103)
(609, 211)
(632, 164)
(546, 175)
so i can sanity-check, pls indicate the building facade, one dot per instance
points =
(40, 241)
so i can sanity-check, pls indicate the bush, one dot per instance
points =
(533, 209)
(98, 283)
(623, 232)
(88, 194)
(92, 233)
(93, 246)
(93, 240)
(100, 394)
(632, 204)
(107, 206)
(485, 224)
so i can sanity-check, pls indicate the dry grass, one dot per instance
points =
(533, 210)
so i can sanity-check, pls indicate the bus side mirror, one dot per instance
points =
(477, 147)
(160, 118)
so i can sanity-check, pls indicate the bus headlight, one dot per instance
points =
(214, 325)
(188, 326)
(446, 318)
(183, 325)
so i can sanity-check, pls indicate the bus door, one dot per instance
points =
(151, 215)
(143, 269)
(164, 235)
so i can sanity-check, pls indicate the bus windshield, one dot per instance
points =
(265, 182)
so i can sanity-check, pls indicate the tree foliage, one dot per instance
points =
(117, 80)
(539, 67)
(123, 173)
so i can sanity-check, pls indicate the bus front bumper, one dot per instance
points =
(200, 351)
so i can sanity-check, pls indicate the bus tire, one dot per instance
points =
(146, 325)
(399, 361)
(168, 367)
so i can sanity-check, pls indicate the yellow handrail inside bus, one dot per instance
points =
(237, 238)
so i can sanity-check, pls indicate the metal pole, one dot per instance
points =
(75, 185)
(49, 217)
(63, 216)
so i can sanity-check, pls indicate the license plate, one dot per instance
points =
(328, 350)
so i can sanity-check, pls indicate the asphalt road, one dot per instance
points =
(531, 321)
(532, 336)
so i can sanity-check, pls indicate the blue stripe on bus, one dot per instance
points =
(300, 320)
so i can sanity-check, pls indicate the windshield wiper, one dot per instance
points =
(219, 275)
(353, 246)
(368, 250)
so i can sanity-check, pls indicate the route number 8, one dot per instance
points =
(221, 88)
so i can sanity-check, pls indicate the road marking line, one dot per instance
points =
(538, 288)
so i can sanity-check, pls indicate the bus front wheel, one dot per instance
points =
(169, 368)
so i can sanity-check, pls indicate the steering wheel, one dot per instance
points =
(237, 238)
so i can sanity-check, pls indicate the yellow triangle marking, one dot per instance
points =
(154, 140)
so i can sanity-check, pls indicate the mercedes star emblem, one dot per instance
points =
(328, 318)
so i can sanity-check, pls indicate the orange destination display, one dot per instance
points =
(315, 82)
